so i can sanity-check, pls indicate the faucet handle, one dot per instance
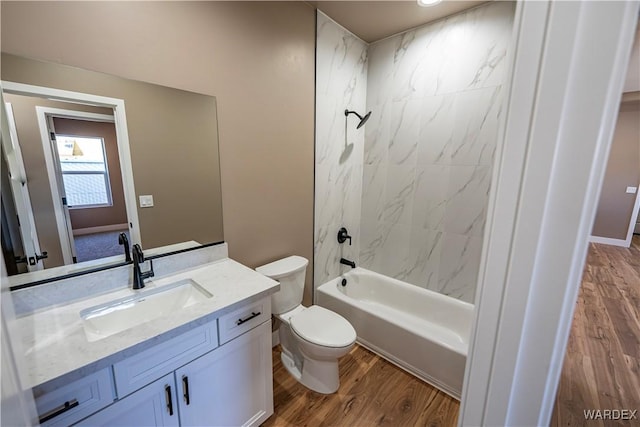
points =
(343, 235)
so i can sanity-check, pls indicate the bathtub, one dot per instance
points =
(421, 331)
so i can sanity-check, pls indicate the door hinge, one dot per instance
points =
(52, 135)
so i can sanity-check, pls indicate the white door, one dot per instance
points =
(231, 385)
(66, 240)
(153, 405)
(20, 190)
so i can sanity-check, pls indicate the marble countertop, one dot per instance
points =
(55, 343)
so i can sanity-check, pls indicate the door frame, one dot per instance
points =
(63, 222)
(122, 135)
(20, 192)
(568, 66)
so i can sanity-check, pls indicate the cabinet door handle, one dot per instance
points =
(253, 314)
(167, 390)
(69, 404)
(185, 388)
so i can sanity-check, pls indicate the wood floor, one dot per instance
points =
(373, 392)
(602, 365)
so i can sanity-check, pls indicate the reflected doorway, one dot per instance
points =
(88, 174)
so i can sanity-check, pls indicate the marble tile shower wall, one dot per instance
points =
(436, 96)
(341, 83)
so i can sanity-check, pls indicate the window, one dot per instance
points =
(84, 171)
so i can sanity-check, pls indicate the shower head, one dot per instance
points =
(363, 120)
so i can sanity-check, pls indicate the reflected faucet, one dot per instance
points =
(124, 240)
(138, 275)
(347, 262)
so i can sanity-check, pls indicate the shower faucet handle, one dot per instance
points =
(343, 235)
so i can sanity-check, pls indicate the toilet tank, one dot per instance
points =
(290, 272)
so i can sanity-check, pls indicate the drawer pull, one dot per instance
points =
(185, 388)
(66, 406)
(253, 314)
(167, 390)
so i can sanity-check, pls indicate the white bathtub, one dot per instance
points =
(423, 332)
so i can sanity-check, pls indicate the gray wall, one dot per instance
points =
(615, 207)
(257, 58)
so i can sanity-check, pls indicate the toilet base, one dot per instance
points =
(320, 375)
(290, 366)
(316, 375)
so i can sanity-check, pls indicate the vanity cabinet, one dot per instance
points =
(153, 405)
(62, 406)
(175, 384)
(230, 386)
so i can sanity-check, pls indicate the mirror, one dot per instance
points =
(171, 155)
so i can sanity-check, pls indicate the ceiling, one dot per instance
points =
(376, 20)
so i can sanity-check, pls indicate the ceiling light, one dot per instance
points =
(427, 3)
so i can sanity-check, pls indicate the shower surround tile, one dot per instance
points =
(404, 132)
(467, 196)
(412, 185)
(341, 83)
(487, 35)
(377, 135)
(459, 266)
(431, 196)
(436, 96)
(477, 115)
(437, 120)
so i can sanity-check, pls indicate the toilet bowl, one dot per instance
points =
(312, 338)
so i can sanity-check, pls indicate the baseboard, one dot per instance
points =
(275, 338)
(609, 241)
(100, 229)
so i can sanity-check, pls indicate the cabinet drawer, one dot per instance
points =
(76, 400)
(147, 366)
(153, 405)
(243, 319)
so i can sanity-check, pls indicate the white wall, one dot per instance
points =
(341, 83)
(436, 97)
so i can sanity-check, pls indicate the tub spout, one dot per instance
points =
(347, 262)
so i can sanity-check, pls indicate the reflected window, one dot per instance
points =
(85, 175)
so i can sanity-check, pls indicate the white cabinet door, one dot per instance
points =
(153, 405)
(230, 386)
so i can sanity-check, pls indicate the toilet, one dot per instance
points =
(312, 338)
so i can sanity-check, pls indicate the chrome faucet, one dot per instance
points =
(138, 275)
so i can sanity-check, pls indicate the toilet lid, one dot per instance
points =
(323, 327)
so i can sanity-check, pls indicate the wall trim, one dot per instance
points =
(630, 97)
(100, 229)
(633, 220)
(609, 241)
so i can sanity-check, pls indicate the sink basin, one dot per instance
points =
(118, 315)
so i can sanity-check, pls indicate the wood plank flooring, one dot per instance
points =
(373, 392)
(602, 365)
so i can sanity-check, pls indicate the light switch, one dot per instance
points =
(632, 190)
(146, 201)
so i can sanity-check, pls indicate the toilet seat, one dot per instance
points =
(323, 327)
